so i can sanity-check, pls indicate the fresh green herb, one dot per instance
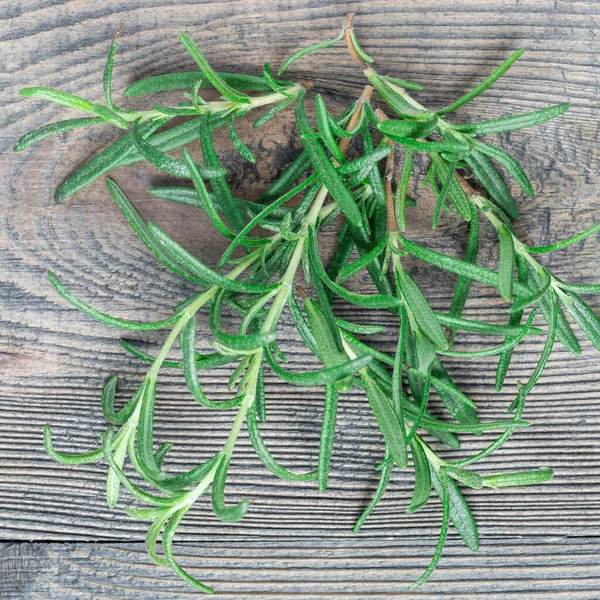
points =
(258, 283)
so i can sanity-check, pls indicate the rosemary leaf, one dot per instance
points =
(210, 74)
(518, 122)
(485, 84)
(47, 130)
(182, 81)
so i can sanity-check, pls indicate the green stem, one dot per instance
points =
(433, 458)
(279, 302)
(479, 201)
(520, 248)
(215, 107)
(186, 314)
(281, 297)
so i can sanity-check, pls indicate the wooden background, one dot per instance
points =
(58, 540)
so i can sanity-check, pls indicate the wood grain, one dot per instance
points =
(313, 568)
(61, 541)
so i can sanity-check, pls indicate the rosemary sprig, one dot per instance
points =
(259, 280)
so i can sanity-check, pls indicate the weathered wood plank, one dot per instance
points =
(301, 568)
(54, 361)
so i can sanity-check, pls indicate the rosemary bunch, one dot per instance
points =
(260, 277)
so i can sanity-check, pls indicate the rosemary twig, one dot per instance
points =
(257, 274)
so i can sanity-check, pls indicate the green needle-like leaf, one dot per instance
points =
(67, 458)
(419, 146)
(217, 180)
(327, 435)
(229, 514)
(182, 81)
(460, 513)
(448, 180)
(509, 343)
(584, 316)
(458, 323)
(422, 489)
(542, 475)
(265, 456)
(273, 84)
(327, 336)
(239, 145)
(458, 266)
(408, 128)
(152, 538)
(488, 176)
(469, 478)
(110, 157)
(190, 262)
(204, 197)
(191, 478)
(579, 288)
(514, 320)
(463, 286)
(324, 128)
(326, 376)
(47, 130)
(306, 333)
(463, 412)
(423, 313)
(455, 192)
(563, 329)
(391, 97)
(290, 175)
(507, 263)
(400, 196)
(403, 83)
(352, 269)
(169, 164)
(273, 111)
(387, 419)
(145, 429)
(110, 116)
(521, 303)
(369, 159)
(367, 300)
(325, 169)
(418, 419)
(449, 388)
(135, 491)
(210, 74)
(139, 227)
(242, 343)
(566, 243)
(286, 65)
(484, 85)
(446, 504)
(384, 478)
(104, 318)
(108, 403)
(57, 96)
(510, 164)
(517, 122)
(167, 543)
(187, 341)
(188, 196)
(261, 216)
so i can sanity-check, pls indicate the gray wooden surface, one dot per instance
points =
(57, 538)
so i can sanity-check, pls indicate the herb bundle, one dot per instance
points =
(260, 277)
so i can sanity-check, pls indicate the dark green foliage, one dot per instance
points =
(339, 181)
